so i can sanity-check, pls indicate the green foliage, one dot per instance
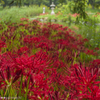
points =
(79, 8)
(64, 9)
(72, 6)
(24, 2)
(62, 1)
(2, 2)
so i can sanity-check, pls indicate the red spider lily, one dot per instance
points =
(39, 87)
(60, 29)
(44, 14)
(31, 39)
(90, 52)
(97, 48)
(43, 46)
(3, 39)
(98, 13)
(85, 40)
(21, 24)
(22, 50)
(59, 13)
(95, 63)
(24, 19)
(18, 66)
(35, 22)
(51, 76)
(2, 44)
(18, 74)
(65, 28)
(7, 76)
(85, 80)
(69, 30)
(75, 15)
(94, 15)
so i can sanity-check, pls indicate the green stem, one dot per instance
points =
(21, 85)
(27, 88)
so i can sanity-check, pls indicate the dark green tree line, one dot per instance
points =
(30, 2)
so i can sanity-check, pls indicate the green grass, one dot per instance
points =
(65, 16)
(14, 14)
(95, 10)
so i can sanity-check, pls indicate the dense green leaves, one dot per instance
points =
(29, 2)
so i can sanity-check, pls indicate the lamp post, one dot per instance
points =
(52, 8)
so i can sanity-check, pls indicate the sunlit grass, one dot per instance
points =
(14, 14)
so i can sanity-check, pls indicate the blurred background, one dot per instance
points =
(19, 3)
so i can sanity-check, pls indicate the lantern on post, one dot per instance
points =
(52, 8)
(43, 10)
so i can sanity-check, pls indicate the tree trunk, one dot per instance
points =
(93, 3)
(50, 2)
(4, 5)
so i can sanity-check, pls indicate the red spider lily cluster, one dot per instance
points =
(44, 14)
(24, 19)
(96, 15)
(59, 13)
(74, 15)
(48, 59)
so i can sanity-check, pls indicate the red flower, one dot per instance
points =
(2, 44)
(90, 52)
(83, 82)
(24, 19)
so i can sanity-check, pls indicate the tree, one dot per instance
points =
(50, 2)
(78, 6)
(31, 2)
(94, 3)
(16, 2)
(5, 3)
(62, 1)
